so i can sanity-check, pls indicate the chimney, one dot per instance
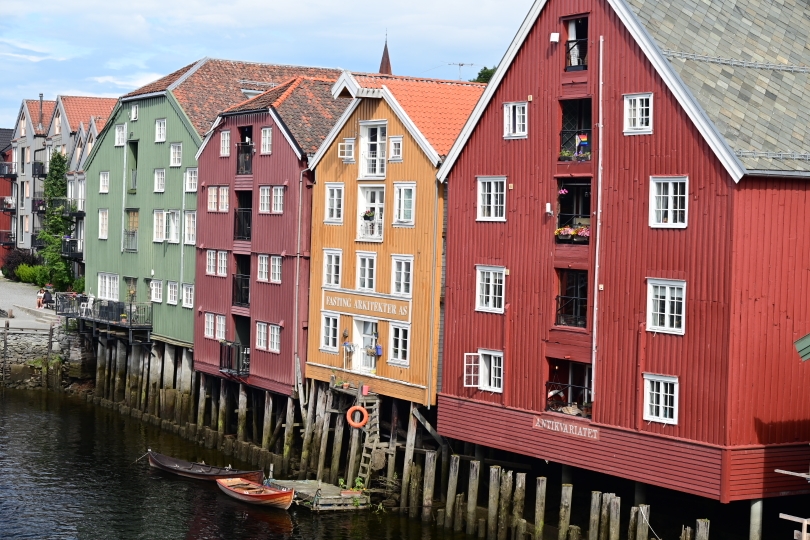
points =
(40, 112)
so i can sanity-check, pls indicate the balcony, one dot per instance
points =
(71, 207)
(576, 55)
(8, 170)
(38, 205)
(130, 240)
(36, 241)
(234, 359)
(569, 399)
(7, 239)
(243, 219)
(244, 158)
(38, 169)
(371, 230)
(241, 290)
(123, 314)
(73, 248)
(9, 205)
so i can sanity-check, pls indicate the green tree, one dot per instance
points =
(485, 74)
(56, 226)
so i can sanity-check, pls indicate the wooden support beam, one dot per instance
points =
(267, 424)
(565, 510)
(615, 507)
(428, 484)
(337, 447)
(504, 500)
(327, 418)
(241, 426)
(451, 489)
(288, 437)
(406, 470)
(492, 502)
(604, 515)
(702, 529)
(309, 424)
(318, 432)
(633, 524)
(593, 522)
(472, 499)
(428, 427)
(540, 507)
(643, 529)
(518, 499)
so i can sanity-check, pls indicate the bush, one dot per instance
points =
(78, 285)
(42, 276)
(14, 259)
(26, 273)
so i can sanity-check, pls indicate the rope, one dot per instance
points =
(140, 458)
(641, 511)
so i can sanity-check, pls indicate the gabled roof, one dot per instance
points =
(305, 106)
(32, 105)
(209, 86)
(5, 137)
(738, 68)
(80, 109)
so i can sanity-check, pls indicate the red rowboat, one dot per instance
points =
(253, 493)
(200, 471)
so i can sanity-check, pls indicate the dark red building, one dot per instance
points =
(8, 204)
(627, 245)
(252, 268)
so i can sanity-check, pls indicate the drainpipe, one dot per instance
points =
(298, 267)
(40, 111)
(598, 223)
(433, 321)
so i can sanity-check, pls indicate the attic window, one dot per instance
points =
(57, 123)
(133, 112)
(346, 150)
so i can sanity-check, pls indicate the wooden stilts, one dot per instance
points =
(520, 529)
(604, 515)
(472, 499)
(222, 418)
(540, 507)
(702, 529)
(451, 488)
(643, 530)
(574, 533)
(482, 528)
(440, 517)
(354, 451)
(428, 485)
(309, 426)
(327, 419)
(458, 509)
(406, 470)
(201, 400)
(337, 445)
(215, 392)
(593, 522)
(565, 510)
(492, 501)
(144, 389)
(518, 499)
(615, 507)
(633, 525)
(255, 438)
(267, 424)
(504, 500)
(686, 533)
(288, 437)
(392, 449)
(416, 473)
(315, 447)
(445, 472)
(241, 425)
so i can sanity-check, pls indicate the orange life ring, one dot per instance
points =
(362, 421)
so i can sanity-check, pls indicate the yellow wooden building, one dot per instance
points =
(377, 233)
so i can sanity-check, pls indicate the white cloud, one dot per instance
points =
(133, 81)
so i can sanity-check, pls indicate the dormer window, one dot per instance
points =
(576, 47)
(375, 142)
(57, 124)
(22, 126)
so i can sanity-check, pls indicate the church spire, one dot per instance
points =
(385, 63)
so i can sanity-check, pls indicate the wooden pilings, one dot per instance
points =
(472, 500)
(565, 510)
(451, 489)
(492, 501)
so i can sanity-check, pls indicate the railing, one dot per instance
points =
(127, 314)
(72, 248)
(244, 158)
(68, 304)
(568, 399)
(130, 240)
(234, 359)
(9, 205)
(572, 311)
(36, 241)
(8, 169)
(38, 202)
(576, 55)
(38, 169)
(7, 238)
(371, 230)
(71, 206)
(242, 221)
(241, 290)
(575, 145)
(573, 228)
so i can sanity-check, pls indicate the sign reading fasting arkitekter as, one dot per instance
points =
(575, 429)
(368, 306)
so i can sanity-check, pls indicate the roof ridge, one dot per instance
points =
(272, 64)
(417, 79)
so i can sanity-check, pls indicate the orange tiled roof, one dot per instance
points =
(439, 108)
(161, 84)
(80, 109)
(47, 111)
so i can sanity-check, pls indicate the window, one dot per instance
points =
(191, 228)
(222, 263)
(330, 332)
(401, 277)
(209, 325)
(212, 199)
(261, 335)
(331, 268)
(103, 224)
(668, 202)
(57, 123)
(173, 226)
(665, 306)
(225, 143)
(28, 155)
(278, 199)
(191, 180)
(159, 226)
(334, 203)
(133, 112)
(120, 135)
(223, 198)
(264, 199)
(661, 398)
(572, 303)
(484, 370)
(156, 290)
(490, 289)
(275, 269)
(576, 57)
(26, 223)
(176, 155)
(22, 126)
(368, 331)
(346, 150)
(638, 114)
(188, 295)
(171, 292)
(366, 263)
(274, 344)
(403, 203)
(160, 180)
(396, 149)
(211, 262)
(400, 345)
(372, 207)
(491, 199)
(374, 142)
(160, 130)
(263, 273)
(267, 140)
(220, 327)
(515, 120)
(108, 286)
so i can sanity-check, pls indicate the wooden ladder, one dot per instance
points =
(371, 439)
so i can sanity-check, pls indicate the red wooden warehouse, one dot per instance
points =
(627, 247)
(254, 233)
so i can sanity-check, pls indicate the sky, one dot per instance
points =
(108, 48)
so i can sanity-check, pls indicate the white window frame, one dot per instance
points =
(120, 134)
(628, 103)
(395, 150)
(511, 120)
(278, 200)
(263, 268)
(267, 141)
(172, 228)
(188, 295)
(133, 112)
(156, 291)
(669, 284)
(225, 143)
(222, 263)
(208, 329)
(477, 374)
(160, 180)
(649, 380)
(221, 328)
(378, 222)
(492, 203)
(382, 147)
(479, 306)
(332, 279)
(392, 355)
(405, 259)
(275, 269)
(265, 199)
(190, 228)
(670, 181)
(223, 202)
(273, 338)
(372, 256)
(171, 292)
(192, 178)
(211, 262)
(108, 286)
(213, 199)
(160, 130)
(334, 203)
(158, 226)
(261, 335)
(103, 223)
(327, 347)
(346, 150)
(399, 219)
(176, 155)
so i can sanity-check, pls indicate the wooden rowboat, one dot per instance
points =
(199, 471)
(253, 493)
